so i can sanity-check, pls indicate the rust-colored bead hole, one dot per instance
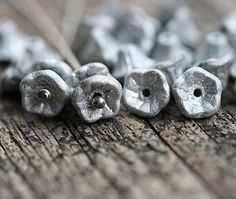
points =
(98, 101)
(44, 95)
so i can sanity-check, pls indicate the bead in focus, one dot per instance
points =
(146, 92)
(197, 93)
(97, 97)
(44, 92)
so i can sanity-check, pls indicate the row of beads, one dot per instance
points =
(151, 57)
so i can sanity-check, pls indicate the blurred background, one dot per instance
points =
(203, 10)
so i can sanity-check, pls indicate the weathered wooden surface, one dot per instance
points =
(125, 157)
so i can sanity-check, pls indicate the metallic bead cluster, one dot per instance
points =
(47, 83)
(154, 58)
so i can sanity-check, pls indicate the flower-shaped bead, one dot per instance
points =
(44, 92)
(86, 71)
(216, 56)
(219, 68)
(167, 9)
(89, 23)
(101, 47)
(183, 25)
(229, 28)
(197, 93)
(56, 65)
(130, 57)
(216, 46)
(169, 46)
(172, 68)
(35, 50)
(146, 92)
(97, 97)
(136, 27)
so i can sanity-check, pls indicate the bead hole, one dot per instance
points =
(146, 92)
(97, 95)
(198, 92)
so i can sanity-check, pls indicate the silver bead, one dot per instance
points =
(10, 79)
(172, 68)
(89, 23)
(146, 92)
(216, 45)
(97, 97)
(216, 56)
(183, 25)
(136, 27)
(56, 65)
(229, 28)
(168, 45)
(12, 42)
(86, 71)
(197, 93)
(167, 9)
(232, 71)
(101, 47)
(219, 68)
(44, 92)
(130, 57)
(172, 56)
(35, 50)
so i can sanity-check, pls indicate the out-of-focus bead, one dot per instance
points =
(228, 27)
(136, 27)
(35, 50)
(89, 23)
(101, 47)
(216, 56)
(183, 25)
(12, 42)
(172, 57)
(130, 57)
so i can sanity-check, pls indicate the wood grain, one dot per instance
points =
(168, 156)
